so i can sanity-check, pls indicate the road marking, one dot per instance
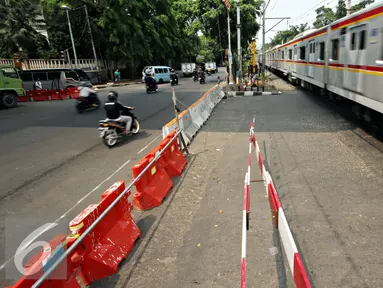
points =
(86, 196)
(151, 142)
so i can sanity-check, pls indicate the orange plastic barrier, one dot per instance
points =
(73, 93)
(112, 238)
(58, 95)
(40, 95)
(172, 156)
(153, 186)
(66, 274)
(25, 98)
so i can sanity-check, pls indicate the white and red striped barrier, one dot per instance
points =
(297, 268)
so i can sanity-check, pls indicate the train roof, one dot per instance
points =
(368, 8)
(313, 31)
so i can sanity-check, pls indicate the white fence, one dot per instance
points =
(30, 64)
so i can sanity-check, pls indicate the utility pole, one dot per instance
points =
(91, 37)
(239, 76)
(229, 40)
(348, 7)
(263, 37)
(264, 32)
(71, 37)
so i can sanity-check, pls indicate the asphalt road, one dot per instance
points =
(328, 177)
(53, 164)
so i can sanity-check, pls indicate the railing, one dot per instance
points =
(31, 64)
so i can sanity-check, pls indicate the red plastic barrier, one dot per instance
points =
(173, 157)
(112, 238)
(64, 276)
(73, 93)
(153, 186)
(40, 95)
(275, 204)
(25, 98)
(59, 95)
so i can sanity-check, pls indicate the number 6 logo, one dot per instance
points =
(27, 246)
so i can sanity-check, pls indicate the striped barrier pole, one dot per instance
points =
(243, 258)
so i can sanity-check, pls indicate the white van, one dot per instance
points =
(160, 73)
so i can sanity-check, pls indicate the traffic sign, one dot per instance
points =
(226, 4)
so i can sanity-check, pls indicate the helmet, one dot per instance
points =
(112, 96)
(172, 70)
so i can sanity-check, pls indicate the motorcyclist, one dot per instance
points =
(201, 74)
(86, 91)
(173, 75)
(117, 112)
(149, 80)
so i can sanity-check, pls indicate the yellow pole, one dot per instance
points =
(253, 50)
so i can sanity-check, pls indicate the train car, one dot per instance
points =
(344, 58)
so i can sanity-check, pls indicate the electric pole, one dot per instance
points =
(263, 37)
(348, 7)
(239, 76)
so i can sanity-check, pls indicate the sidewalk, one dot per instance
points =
(121, 83)
(195, 236)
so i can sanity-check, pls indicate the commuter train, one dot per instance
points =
(343, 59)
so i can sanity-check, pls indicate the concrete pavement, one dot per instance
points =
(328, 179)
(55, 164)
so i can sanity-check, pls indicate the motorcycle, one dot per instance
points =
(174, 81)
(87, 103)
(111, 131)
(151, 88)
(202, 80)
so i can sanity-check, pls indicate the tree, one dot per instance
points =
(341, 10)
(287, 35)
(209, 48)
(16, 29)
(361, 5)
(324, 17)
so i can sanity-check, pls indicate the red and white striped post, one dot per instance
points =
(244, 228)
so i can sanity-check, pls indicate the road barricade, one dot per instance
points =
(111, 240)
(73, 92)
(193, 118)
(40, 95)
(172, 126)
(294, 259)
(59, 95)
(67, 273)
(190, 126)
(153, 186)
(172, 156)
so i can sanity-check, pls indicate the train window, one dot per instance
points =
(283, 55)
(352, 41)
(362, 37)
(302, 53)
(335, 49)
(321, 50)
(290, 54)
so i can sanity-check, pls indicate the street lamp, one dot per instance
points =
(70, 32)
(67, 9)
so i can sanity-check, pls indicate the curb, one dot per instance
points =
(251, 93)
(115, 85)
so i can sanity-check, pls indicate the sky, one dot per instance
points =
(300, 11)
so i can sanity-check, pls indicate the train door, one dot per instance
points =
(353, 75)
(295, 58)
(311, 58)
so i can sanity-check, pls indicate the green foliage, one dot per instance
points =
(130, 32)
(16, 28)
(324, 17)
